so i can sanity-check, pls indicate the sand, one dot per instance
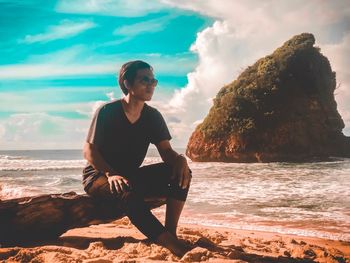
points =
(120, 241)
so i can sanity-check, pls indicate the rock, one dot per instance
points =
(287, 253)
(196, 255)
(309, 253)
(282, 108)
(293, 241)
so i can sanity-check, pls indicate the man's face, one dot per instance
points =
(144, 85)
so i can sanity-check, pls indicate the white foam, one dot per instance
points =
(17, 163)
(10, 191)
(54, 182)
(205, 221)
(33, 165)
(11, 157)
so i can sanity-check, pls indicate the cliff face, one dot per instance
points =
(282, 108)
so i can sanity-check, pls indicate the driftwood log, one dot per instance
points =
(46, 217)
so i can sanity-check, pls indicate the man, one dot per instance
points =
(116, 145)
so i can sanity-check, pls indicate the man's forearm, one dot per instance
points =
(99, 164)
(97, 161)
(171, 157)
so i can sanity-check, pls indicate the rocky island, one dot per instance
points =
(282, 108)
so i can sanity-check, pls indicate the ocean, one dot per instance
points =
(308, 199)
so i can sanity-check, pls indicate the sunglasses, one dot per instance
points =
(147, 81)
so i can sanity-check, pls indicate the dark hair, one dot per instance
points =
(129, 71)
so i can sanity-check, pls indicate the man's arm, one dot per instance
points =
(116, 181)
(178, 161)
(93, 156)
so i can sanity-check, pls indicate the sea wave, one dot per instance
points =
(12, 163)
(301, 198)
(35, 165)
(12, 157)
(15, 191)
(38, 185)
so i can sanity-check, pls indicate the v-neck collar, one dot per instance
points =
(126, 117)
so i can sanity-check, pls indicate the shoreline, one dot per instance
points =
(267, 226)
(120, 241)
(279, 230)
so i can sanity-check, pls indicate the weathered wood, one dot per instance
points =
(46, 217)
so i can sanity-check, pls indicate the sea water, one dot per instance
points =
(310, 199)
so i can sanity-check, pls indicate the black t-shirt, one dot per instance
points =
(124, 145)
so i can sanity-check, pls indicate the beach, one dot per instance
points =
(263, 212)
(243, 104)
(120, 241)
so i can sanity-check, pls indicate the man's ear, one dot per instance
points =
(126, 84)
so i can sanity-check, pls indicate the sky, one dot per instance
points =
(59, 59)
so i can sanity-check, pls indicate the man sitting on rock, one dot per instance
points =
(116, 146)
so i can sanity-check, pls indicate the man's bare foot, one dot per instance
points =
(185, 243)
(178, 248)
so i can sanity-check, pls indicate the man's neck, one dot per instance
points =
(132, 105)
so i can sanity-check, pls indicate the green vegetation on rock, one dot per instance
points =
(257, 99)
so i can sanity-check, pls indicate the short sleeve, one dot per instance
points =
(159, 130)
(97, 127)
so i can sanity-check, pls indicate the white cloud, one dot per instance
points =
(150, 26)
(112, 95)
(339, 54)
(2, 131)
(28, 102)
(65, 29)
(47, 65)
(109, 7)
(44, 131)
(32, 71)
(246, 31)
(60, 57)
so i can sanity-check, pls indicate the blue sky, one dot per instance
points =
(56, 57)
(59, 59)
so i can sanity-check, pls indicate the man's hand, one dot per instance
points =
(118, 184)
(182, 172)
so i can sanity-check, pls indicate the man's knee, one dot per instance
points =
(99, 188)
(177, 192)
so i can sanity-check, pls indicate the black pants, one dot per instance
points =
(147, 181)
